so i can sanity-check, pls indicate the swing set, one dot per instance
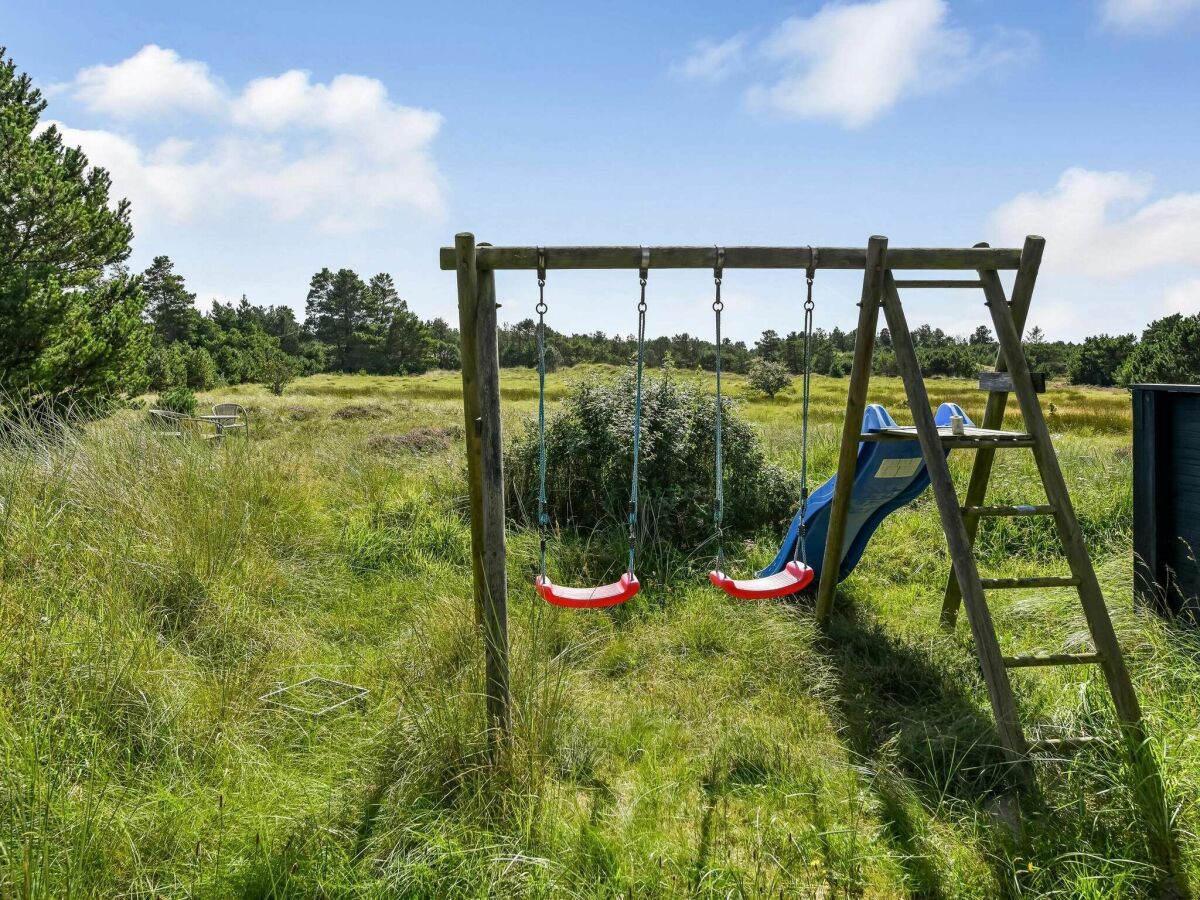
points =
(476, 265)
(795, 575)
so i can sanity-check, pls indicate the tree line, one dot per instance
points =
(78, 328)
(350, 325)
(1167, 351)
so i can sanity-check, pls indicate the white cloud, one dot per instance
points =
(1183, 297)
(1116, 255)
(712, 61)
(1104, 224)
(160, 184)
(852, 62)
(1151, 15)
(152, 81)
(342, 155)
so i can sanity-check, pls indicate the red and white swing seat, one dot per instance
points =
(795, 577)
(588, 597)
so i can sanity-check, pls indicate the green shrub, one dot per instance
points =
(1099, 358)
(768, 377)
(167, 367)
(276, 374)
(201, 370)
(178, 399)
(589, 449)
(1168, 353)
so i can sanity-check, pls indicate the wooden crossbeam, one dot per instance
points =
(944, 258)
(938, 283)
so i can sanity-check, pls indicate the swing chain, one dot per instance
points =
(800, 552)
(719, 500)
(542, 309)
(643, 274)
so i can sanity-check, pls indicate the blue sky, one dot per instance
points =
(260, 142)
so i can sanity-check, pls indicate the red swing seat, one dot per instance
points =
(795, 577)
(588, 597)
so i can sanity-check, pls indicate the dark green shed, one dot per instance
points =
(1166, 498)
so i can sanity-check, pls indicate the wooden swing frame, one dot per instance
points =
(476, 265)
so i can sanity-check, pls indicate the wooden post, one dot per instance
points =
(485, 474)
(856, 404)
(993, 413)
(468, 287)
(987, 647)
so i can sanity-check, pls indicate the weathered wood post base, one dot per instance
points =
(485, 476)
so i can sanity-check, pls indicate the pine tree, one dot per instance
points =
(170, 307)
(71, 329)
(337, 312)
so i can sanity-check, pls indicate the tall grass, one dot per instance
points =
(151, 591)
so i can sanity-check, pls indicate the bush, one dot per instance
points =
(1168, 353)
(167, 367)
(276, 374)
(950, 361)
(201, 370)
(179, 400)
(588, 454)
(1099, 358)
(768, 377)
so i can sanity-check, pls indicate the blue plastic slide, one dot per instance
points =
(889, 475)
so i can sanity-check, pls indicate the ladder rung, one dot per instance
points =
(971, 437)
(1008, 510)
(1039, 582)
(1054, 745)
(1025, 661)
(975, 442)
(938, 283)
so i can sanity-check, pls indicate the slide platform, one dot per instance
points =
(889, 475)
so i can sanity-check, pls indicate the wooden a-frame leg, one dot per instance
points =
(987, 647)
(993, 414)
(1148, 783)
(856, 404)
(1069, 533)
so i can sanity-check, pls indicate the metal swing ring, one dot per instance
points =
(809, 276)
(643, 274)
(541, 309)
(718, 272)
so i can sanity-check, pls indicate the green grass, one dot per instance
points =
(687, 744)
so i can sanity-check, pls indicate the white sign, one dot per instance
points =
(905, 467)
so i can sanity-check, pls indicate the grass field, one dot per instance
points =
(687, 744)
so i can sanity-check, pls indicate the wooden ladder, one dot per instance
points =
(960, 523)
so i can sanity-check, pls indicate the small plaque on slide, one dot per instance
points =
(905, 467)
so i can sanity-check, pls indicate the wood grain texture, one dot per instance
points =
(993, 413)
(485, 476)
(987, 647)
(1002, 381)
(1033, 660)
(468, 285)
(630, 257)
(495, 575)
(856, 404)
